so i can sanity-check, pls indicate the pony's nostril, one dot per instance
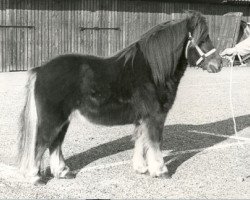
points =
(212, 68)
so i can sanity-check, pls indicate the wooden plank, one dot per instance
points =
(76, 22)
(229, 30)
(56, 23)
(39, 36)
(53, 23)
(119, 16)
(82, 20)
(7, 37)
(85, 35)
(66, 26)
(61, 27)
(51, 38)
(73, 25)
(108, 12)
(124, 28)
(45, 32)
(1, 37)
(31, 38)
(113, 46)
(38, 33)
(102, 33)
(79, 23)
(20, 37)
(13, 55)
(69, 30)
(25, 37)
(34, 35)
(96, 20)
(228, 34)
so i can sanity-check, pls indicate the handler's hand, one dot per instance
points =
(228, 52)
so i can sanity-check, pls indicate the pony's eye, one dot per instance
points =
(202, 42)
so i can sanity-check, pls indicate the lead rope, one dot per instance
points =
(231, 60)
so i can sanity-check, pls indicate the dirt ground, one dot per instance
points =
(204, 155)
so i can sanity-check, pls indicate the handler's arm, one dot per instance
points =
(243, 48)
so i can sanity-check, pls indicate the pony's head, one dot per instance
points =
(199, 49)
(165, 45)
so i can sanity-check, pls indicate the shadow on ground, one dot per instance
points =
(178, 137)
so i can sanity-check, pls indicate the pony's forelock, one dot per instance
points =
(197, 25)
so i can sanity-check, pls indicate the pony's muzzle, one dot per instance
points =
(214, 66)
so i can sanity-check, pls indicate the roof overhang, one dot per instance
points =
(234, 2)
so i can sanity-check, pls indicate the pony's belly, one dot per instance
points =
(80, 118)
(109, 114)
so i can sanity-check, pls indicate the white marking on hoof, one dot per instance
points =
(139, 162)
(57, 164)
(156, 166)
(37, 180)
(64, 172)
(140, 166)
(161, 171)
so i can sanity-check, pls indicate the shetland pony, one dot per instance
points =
(136, 86)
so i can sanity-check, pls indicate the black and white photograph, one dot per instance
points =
(124, 99)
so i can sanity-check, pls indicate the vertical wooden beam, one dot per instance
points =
(1, 37)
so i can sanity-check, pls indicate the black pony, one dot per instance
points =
(137, 85)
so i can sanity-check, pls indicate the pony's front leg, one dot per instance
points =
(156, 166)
(152, 145)
(139, 160)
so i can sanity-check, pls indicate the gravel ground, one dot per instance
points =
(204, 158)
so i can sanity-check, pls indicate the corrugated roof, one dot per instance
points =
(234, 2)
(189, 1)
(237, 1)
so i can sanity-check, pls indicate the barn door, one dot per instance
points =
(101, 33)
(16, 44)
(15, 48)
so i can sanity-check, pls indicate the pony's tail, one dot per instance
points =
(28, 134)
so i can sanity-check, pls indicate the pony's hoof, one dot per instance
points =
(165, 175)
(140, 166)
(141, 170)
(39, 182)
(162, 172)
(68, 175)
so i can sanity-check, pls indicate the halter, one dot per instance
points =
(203, 55)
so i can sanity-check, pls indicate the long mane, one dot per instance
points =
(163, 46)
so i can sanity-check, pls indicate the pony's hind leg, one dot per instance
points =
(43, 138)
(57, 164)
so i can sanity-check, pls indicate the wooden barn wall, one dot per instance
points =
(34, 31)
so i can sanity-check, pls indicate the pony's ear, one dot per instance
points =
(197, 25)
(194, 19)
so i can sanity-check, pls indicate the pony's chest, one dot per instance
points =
(100, 93)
